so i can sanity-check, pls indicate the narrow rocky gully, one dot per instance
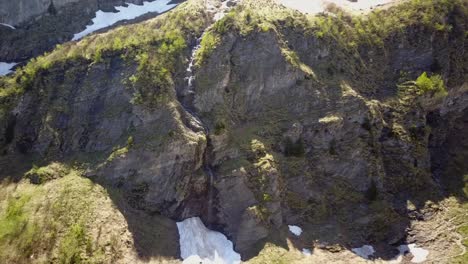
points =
(197, 243)
(187, 96)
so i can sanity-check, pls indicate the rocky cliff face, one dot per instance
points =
(17, 12)
(289, 121)
(42, 24)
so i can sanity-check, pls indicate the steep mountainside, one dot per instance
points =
(39, 25)
(353, 127)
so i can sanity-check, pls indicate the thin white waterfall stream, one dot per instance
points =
(198, 244)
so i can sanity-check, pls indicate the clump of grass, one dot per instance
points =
(433, 84)
(208, 43)
(74, 245)
(39, 175)
(16, 229)
(119, 152)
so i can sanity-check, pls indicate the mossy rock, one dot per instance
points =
(40, 175)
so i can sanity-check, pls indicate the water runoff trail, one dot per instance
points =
(198, 244)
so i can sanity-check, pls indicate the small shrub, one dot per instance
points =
(267, 197)
(208, 44)
(220, 127)
(433, 84)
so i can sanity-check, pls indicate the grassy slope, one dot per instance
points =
(53, 221)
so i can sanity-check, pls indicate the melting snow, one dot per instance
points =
(5, 68)
(295, 230)
(198, 244)
(105, 19)
(419, 254)
(365, 251)
(7, 25)
(317, 6)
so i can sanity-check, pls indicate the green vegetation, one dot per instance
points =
(119, 152)
(156, 45)
(15, 228)
(220, 127)
(50, 220)
(379, 25)
(274, 254)
(72, 245)
(39, 175)
(434, 84)
(208, 43)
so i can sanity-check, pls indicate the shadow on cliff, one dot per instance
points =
(157, 236)
(154, 236)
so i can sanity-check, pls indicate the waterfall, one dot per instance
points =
(197, 243)
(218, 13)
(190, 69)
(189, 93)
(209, 171)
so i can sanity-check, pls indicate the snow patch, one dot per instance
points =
(306, 252)
(318, 6)
(106, 19)
(365, 251)
(5, 68)
(198, 244)
(419, 254)
(7, 25)
(297, 231)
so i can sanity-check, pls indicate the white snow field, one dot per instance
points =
(365, 251)
(317, 6)
(297, 231)
(419, 254)
(198, 244)
(106, 19)
(5, 68)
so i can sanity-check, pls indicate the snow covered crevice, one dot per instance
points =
(297, 231)
(198, 244)
(365, 251)
(131, 11)
(6, 68)
(419, 254)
